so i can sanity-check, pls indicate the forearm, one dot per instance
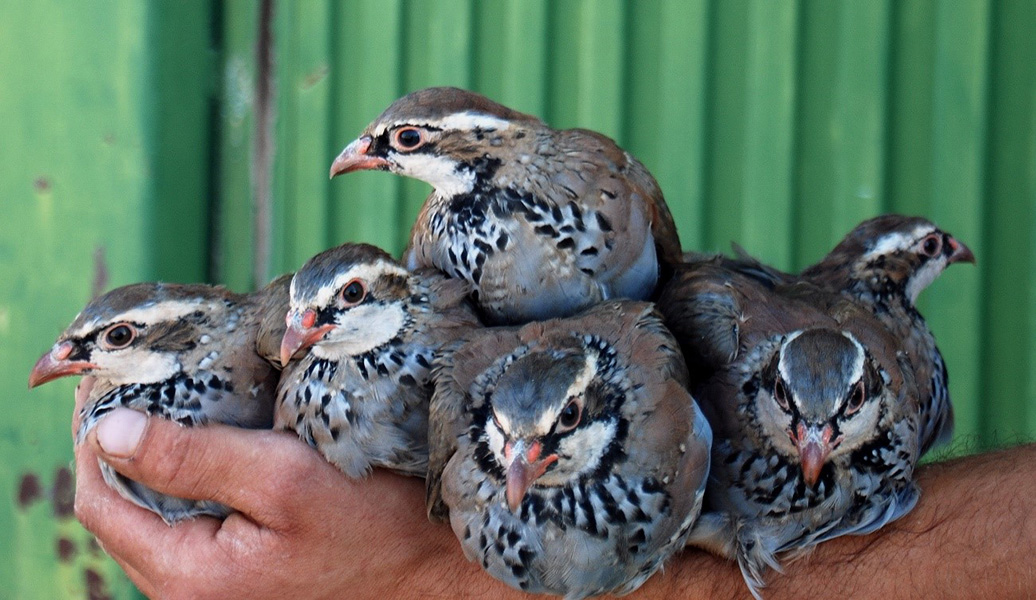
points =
(972, 535)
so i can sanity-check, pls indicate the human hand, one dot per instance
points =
(303, 530)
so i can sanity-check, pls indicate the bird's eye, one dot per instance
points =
(856, 398)
(353, 292)
(932, 245)
(569, 417)
(780, 394)
(119, 335)
(408, 138)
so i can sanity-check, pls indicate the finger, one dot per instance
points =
(138, 539)
(258, 473)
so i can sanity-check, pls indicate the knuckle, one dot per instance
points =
(224, 572)
(299, 471)
(167, 458)
(283, 503)
(84, 511)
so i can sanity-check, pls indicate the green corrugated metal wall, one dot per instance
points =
(191, 141)
(104, 177)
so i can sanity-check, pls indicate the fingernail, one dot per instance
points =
(119, 432)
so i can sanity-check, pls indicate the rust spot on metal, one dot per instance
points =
(41, 184)
(315, 76)
(64, 493)
(100, 281)
(29, 490)
(66, 549)
(96, 587)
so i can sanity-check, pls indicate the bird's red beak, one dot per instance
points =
(526, 467)
(301, 334)
(55, 364)
(959, 252)
(355, 158)
(814, 447)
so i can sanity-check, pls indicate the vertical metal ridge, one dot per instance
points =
(795, 208)
(213, 190)
(263, 148)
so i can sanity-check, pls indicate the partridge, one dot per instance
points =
(813, 406)
(365, 331)
(885, 263)
(542, 222)
(194, 354)
(567, 454)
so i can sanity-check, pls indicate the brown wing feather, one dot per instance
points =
(272, 303)
(703, 311)
(626, 177)
(669, 439)
(660, 380)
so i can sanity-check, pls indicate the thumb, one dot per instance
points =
(257, 472)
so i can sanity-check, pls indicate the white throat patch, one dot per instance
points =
(924, 277)
(439, 171)
(135, 365)
(580, 452)
(361, 329)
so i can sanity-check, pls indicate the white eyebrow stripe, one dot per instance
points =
(576, 388)
(365, 272)
(857, 373)
(505, 423)
(153, 313)
(780, 363)
(857, 369)
(580, 383)
(897, 241)
(466, 121)
(545, 422)
(472, 120)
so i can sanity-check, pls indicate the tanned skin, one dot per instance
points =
(307, 531)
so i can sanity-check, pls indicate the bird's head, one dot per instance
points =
(346, 301)
(139, 333)
(553, 417)
(436, 135)
(903, 253)
(822, 396)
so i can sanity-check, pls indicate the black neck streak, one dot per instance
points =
(180, 393)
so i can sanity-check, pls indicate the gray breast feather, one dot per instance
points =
(360, 413)
(187, 400)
